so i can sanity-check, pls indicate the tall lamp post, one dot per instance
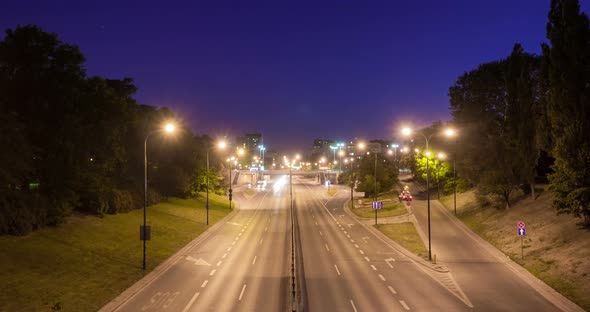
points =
(407, 132)
(452, 133)
(220, 145)
(168, 128)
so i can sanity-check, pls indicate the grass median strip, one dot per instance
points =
(406, 235)
(83, 264)
(390, 209)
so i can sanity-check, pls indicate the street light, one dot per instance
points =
(452, 133)
(167, 128)
(406, 132)
(220, 145)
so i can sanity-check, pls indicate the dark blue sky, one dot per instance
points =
(293, 70)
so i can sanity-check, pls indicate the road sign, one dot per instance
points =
(377, 205)
(520, 224)
(522, 232)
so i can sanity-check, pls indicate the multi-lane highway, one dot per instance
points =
(244, 265)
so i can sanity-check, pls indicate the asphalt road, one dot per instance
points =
(244, 264)
(348, 268)
(487, 281)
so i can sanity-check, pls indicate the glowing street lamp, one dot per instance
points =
(168, 128)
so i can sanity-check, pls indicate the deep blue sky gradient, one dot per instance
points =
(293, 70)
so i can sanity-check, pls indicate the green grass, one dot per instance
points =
(85, 263)
(406, 235)
(390, 209)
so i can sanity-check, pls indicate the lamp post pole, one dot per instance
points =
(454, 185)
(230, 183)
(207, 202)
(375, 182)
(144, 196)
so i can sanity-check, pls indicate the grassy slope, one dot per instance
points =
(556, 250)
(88, 261)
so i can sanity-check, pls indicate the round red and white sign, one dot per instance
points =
(520, 225)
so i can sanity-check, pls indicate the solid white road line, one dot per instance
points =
(190, 303)
(212, 272)
(337, 271)
(327, 248)
(204, 283)
(404, 305)
(382, 277)
(353, 306)
(254, 261)
(373, 267)
(242, 293)
(392, 290)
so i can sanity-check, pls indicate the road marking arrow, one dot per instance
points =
(197, 261)
(366, 238)
(390, 260)
(350, 225)
(341, 216)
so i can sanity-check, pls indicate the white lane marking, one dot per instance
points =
(350, 225)
(242, 293)
(316, 223)
(367, 258)
(373, 267)
(355, 245)
(254, 261)
(233, 243)
(212, 272)
(190, 303)
(235, 239)
(352, 240)
(204, 283)
(266, 228)
(388, 260)
(240, 234)
(229, 249)
(345, 232)
(261, 241)
(361, 251)
(382, 277)
(392, 290)
(337, 271)
(353, 307)
(224, 255)
(403, 303)
(219, 262)
(321, 233)
(328, 248)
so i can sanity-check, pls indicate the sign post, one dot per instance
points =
(377, 205)
(522, 234)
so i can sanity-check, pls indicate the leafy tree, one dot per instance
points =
(438, 170)
(387, 173)
(567, 64)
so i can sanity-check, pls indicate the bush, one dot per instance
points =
(121, 201)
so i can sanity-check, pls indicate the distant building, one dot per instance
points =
(250, 142)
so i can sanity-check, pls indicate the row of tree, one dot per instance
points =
(73, 142)
(516, 113)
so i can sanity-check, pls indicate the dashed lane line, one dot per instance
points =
(382, 277)
(337, 271)
(403, 303)
(353, 306)
(190, 303)
(392, 290)
(373, 267)
(254, 261)
(204, 283)
(212, 272)
(242, 293)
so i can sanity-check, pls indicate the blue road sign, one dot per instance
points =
(377, 205)
(521, 232)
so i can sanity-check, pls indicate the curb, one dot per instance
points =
(127, 294)
(434, 267)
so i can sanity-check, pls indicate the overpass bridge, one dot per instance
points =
(247, 176)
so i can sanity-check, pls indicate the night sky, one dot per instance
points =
(293, 70)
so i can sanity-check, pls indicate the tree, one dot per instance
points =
(387, 172)
(493, 106)
(567, 63)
